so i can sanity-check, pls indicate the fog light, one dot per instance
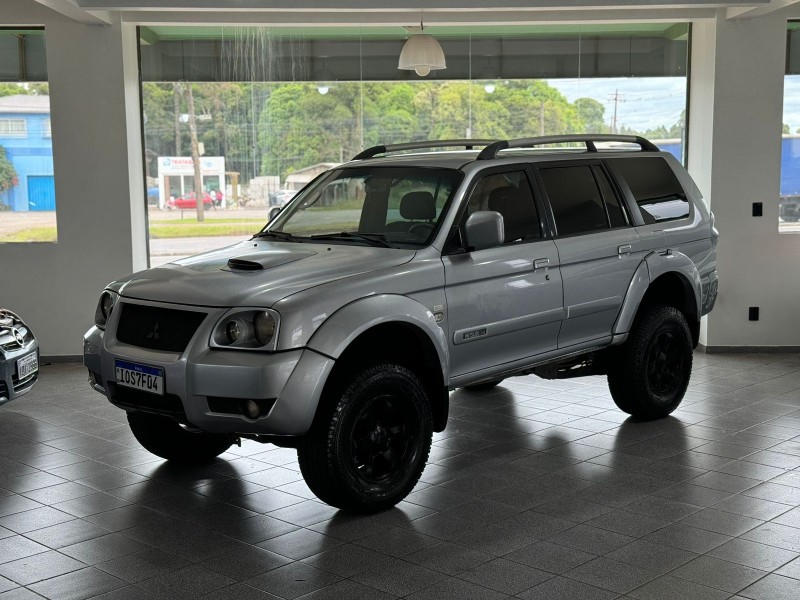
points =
(252, 409)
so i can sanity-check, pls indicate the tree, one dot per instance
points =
(592, 114)
(8, 175)
(786, 128)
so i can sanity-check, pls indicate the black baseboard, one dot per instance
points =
(748, 349)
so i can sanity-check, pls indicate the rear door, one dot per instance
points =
(504, 304)
(598, 247)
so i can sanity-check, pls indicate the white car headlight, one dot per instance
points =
(246, 329)
(105, 307)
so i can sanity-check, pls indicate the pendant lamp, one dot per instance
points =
(421, 54)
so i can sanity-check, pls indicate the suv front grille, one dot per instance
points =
(156, 328)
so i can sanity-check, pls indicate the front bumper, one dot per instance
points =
(202, 381)
(11, 387)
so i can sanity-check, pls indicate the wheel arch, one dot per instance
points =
(665, 278)
(387, 328)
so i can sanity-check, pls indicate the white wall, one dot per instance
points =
(55, 287)
(734, 155)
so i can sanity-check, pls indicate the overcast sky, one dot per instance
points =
(644, 102)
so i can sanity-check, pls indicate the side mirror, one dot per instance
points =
(484, 229)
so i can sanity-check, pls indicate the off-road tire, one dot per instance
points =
(382, 421)
(482, 387)
(164, 437)
(649, 374)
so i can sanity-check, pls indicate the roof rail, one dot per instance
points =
(421, 145)
(589, 139)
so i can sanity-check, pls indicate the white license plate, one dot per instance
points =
(27, 365)
(139, 377)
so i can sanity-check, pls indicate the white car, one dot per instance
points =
(19, 357)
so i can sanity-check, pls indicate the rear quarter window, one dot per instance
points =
(654, 187)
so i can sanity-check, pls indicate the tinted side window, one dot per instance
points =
(511, 196)
(575, 199)
(654, 186)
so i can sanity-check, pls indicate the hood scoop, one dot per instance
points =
(258, 261)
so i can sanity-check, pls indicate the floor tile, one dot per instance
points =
(77, 585)
(561, 588)
(719, 574)
(772, 587)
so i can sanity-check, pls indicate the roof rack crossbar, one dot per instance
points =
(491, 151)
(421, 145)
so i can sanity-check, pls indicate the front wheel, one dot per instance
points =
(649, 375)
(166, 438)
(369, 451)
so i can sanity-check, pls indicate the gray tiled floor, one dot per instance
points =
(538, 489)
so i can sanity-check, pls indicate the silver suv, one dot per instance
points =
(340, 328)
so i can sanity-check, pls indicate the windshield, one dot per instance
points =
(381, 206)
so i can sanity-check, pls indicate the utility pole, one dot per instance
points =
(541, 118)
(176, 102)
(198, 176)
(617, 98)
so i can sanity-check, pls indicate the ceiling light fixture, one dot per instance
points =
(421, 53)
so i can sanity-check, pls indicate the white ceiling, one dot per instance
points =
(395, 12)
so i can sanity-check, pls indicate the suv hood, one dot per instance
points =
(257, 273)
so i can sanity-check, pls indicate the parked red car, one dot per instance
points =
(188, 201)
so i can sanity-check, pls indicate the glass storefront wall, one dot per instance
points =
(789, 196)
(27, 183)
(265, 110)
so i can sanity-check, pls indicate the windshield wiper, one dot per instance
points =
(281, 235)
(376, 239)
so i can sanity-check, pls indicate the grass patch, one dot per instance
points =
(166, 230)
(34, 234)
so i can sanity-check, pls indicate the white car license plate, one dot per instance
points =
(27, 365)
(139, 377)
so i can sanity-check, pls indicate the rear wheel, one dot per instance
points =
(369, 451)
(650, 373)
(166, 438)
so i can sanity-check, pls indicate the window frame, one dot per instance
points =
(593, 164)
(455, 238)
(22, 135)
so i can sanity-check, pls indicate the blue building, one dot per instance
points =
(25, 135)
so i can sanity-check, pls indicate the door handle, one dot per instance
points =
(541, 263)
(624, 249)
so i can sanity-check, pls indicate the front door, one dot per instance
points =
(504, 304)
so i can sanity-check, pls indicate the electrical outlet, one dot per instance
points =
(753, 313)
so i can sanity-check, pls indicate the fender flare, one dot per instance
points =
(339, 330)
(651, 268)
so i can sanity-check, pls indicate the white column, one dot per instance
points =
(98, 178)
(735, 122)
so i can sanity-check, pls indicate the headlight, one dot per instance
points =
(246, 329)
(104, 308)
(265, 328)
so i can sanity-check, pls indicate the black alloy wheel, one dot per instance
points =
(370, 444)
(382, 438)
(649, 374)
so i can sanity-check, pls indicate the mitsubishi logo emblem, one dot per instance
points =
(20, 339)
(153, 335)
